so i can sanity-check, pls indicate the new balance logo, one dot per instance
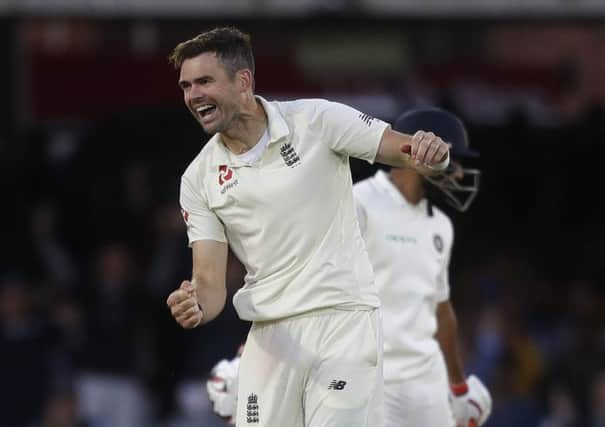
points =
(289, 155)
(337, 385)
(252, 409)
(366, 118)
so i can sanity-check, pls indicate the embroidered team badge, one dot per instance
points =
(289, 155)
(252, 409)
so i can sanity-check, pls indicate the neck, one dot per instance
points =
(409, 183)
(247, 127)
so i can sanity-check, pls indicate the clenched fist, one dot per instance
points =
(427, 149)
(184, 306)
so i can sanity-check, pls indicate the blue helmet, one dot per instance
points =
(459, 185)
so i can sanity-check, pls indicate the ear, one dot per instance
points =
(244, 78)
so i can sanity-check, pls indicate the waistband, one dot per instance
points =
(314, 313)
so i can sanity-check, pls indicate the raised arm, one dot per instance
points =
(356, 134)
(423, 151)
(203, 298)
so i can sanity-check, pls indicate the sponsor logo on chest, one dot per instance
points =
(412, 240)
(225, 178)
(400, 238)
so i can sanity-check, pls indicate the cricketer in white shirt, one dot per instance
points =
(409, 242)
(313, 356)
(410, 291)
(289, 217)
(424, 376)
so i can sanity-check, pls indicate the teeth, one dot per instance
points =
(204, 108)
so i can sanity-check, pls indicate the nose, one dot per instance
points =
(195, 93)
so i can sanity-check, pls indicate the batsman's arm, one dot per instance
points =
(209, 276)
(423, 151)
(447, 336)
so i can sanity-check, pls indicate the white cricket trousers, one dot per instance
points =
(421, 401)
(317, 370)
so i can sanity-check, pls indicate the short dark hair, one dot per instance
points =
(232, 48)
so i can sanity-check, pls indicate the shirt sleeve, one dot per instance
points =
(351, 132)
(202, 223)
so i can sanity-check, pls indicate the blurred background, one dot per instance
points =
(94, 138)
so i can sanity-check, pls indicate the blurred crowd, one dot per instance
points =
(93, 242)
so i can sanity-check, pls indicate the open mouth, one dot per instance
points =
(205, 111)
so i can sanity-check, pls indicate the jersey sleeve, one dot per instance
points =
(202, 223)
(351, 132)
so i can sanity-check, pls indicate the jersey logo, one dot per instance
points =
(438, 242)
(224, 174)
(401, 238)
(289, 155)
(366, 118)
(337, 385)
(252, 409)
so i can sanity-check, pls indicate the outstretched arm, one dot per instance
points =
(423, 151)
(203, 298)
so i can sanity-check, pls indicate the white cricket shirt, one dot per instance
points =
(409, 252)
(289, 216)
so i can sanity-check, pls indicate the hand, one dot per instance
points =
(471, 403)
(222, 388)
(184, 306)
(426, 149)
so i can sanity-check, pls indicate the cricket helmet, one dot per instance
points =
(459, 185)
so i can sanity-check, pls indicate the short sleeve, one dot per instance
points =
(351, 132)
(202, 223)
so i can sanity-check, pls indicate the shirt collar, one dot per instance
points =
(278, 128)
(276, 125)
(384, 184)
